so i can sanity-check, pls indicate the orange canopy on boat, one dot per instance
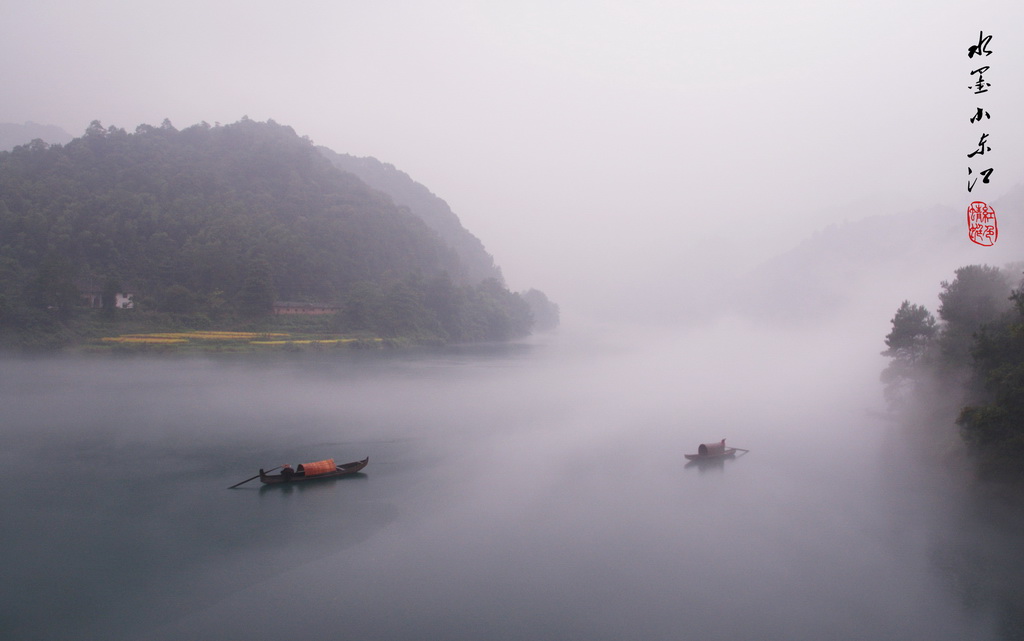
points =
(318, 468)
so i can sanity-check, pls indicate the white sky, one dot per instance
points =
(590, 145)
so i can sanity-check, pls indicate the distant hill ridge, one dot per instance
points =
(12, 135)
(879, 258)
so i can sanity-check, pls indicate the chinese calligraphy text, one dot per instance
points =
(981, 218)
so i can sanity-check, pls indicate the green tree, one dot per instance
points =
(256, 297)
(54, 289)
(111, 287)
(993, 426)
(496, 314)
(361, 308)
(978, 295)
(446, 302)
(912, 336)
(404, 314)
(177, 299)
(913, 328)
(545, 313)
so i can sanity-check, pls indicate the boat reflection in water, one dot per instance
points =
(302, 488)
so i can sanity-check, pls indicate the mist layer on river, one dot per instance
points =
(536, 490)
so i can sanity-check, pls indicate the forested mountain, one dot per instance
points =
(223, 221)
(434, 211)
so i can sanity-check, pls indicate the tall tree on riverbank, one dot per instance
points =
(909, 342)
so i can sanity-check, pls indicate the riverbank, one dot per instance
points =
(90, 331)
(232, 341)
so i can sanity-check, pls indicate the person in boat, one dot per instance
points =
(287, 472)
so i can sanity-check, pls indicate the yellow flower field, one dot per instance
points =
(252, 338)
(144, 339)
(305, 341)
(187, 336)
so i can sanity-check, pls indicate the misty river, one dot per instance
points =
(534, 490)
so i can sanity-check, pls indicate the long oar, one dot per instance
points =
(738, 449)
(255, 477)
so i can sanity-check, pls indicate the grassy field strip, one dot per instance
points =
(252, 338)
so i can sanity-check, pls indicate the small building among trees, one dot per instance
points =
(122, 300)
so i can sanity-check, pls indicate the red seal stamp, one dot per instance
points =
(981, 224)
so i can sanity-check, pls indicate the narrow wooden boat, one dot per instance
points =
(713, 451)
(730, 451)
(313, 471)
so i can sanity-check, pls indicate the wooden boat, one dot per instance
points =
(313, 471)
(713, 452)
(731, 451)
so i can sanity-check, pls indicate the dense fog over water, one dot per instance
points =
(536, 489)
(663, 164)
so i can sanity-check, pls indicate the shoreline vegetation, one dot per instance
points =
(244, 227)
(95, 332)
(80, 329)
(956, 382)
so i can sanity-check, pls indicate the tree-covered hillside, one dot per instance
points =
(222, 222)
(426, 206)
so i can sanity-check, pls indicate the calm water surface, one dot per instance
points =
(528, 491)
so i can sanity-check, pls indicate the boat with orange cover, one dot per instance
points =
(313, 471)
